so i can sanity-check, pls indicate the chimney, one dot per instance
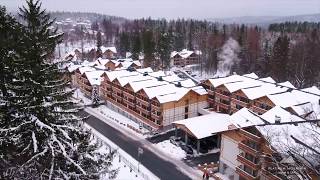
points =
(178, 84)
(160, 78)
(277, 119)
(145, 74)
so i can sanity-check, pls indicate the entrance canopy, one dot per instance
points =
(205, 126)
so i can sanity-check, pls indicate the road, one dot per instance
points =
(161, 168)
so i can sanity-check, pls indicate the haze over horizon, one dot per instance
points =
(172, 9)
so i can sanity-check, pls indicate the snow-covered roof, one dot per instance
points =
(279, 113)
(112, 49)
(245, 118)
(184, 53)
(86, 69)
(206, 125)
(94, 77)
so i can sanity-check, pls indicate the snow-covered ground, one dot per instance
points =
(222, 176)
(127, 166)
(171, 150)
(80, 96)
(111, 115)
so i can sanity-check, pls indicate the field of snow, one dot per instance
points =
(171, 150)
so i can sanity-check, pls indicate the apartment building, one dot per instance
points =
(155, 98)
(184, 58)
(232, 93)
(260, 151)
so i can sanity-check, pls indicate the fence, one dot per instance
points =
(131, 166)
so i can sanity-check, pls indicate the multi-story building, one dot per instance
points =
(184, 58)
(232, 93)
(155, 98)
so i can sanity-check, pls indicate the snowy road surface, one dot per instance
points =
(158, 166)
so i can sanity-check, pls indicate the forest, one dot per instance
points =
(284, 51)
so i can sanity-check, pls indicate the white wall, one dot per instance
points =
(229, 151)
(175, 114)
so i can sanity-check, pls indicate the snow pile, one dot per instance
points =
(228, 56)
(171, 150)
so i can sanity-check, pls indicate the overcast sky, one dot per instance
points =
(180, 8)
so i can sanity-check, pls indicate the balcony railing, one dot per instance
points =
(141, 101)
(247, 162)
(245, 174)
(258, 109)
(222, 96)
(250, 136)
(128, 94)
(248, 149)
(142, 109)
(241, 103)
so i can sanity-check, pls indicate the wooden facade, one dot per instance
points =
(150, 111)
(178, 60)
(221, 100)
(250, 164)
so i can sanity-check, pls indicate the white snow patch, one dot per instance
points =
(171, 150)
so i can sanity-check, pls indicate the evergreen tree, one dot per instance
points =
(136, 46)
(99, 44)
(148, 48)
(124, 44)
(95, 96)
(41, 136)
(280, 58)
(164, 49)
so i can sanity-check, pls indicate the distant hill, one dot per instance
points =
(84, 16)
(265, 20)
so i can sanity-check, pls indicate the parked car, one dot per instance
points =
(187, 149)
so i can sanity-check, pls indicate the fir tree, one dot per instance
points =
(136, 46)
(280, 58)
(95, 96)
(148, 48)
(99, 44)
(164, 49)
(44, 138)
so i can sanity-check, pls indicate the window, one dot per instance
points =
(265, 106)
(225, 102)
(186, 116)
(238, 106)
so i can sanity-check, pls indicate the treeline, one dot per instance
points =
(283, 55)
(294, 27)
(285, 51)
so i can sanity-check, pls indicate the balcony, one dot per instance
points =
(251, 136)
(155, 107)
(244, 174)
(128, 95)
(143, 110)
(129, 102)
(154, 116)
(141, 101)
(222, 96)
(258, 109)
(247, 162)
(248, 149)
(241, 103)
